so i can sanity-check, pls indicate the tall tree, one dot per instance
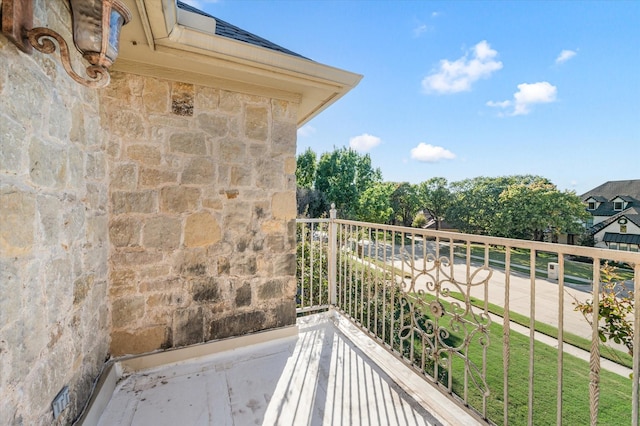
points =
(405, 203)
(375, 203)
(476, 201)
(343, 175)
(529, 211)
(435, 198)
(306, 169)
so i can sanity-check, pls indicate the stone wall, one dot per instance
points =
(201, 212)
(148, 215)
(54, 317)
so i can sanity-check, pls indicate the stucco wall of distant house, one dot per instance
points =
(201, 212)
(54, 312)
(632, 229)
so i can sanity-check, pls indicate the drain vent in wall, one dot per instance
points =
(60, 402)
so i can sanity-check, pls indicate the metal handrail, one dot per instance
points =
(367, 266)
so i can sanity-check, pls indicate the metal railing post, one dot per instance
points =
(333, 254)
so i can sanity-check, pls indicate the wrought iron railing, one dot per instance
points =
(445, 303)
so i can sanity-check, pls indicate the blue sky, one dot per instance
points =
(461, 89)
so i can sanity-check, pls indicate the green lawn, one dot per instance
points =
(615, 393)
(607, 352)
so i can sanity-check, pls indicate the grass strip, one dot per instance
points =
(615, 390)
(607, 352)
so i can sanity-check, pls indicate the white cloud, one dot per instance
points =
(306, 131)
(459, 75)
(419, 30)
(503, 104)
(527, 95)
(534, 93)
(565, 55)
(431, 154)
(364, 142)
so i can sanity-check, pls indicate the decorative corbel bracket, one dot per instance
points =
(17, 15)
(96, 35)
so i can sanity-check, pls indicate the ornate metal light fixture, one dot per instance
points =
(96, 34)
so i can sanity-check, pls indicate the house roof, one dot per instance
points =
(604, 209)
(626, 198)
(597, 198)
(225, 29)
(612, 237)
(632, 214)
(614, 188)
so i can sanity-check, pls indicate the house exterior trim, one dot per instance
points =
(165, 42)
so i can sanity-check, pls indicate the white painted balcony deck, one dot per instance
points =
(328, 373)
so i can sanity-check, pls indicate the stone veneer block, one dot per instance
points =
(199, 171)
(155, 96)
(283, 206)
(188, 143)
(17, 210)
(140, 341)
(179, 199)
(201, 229)
(256, 123)
(133, 202)
(162, 232)
(182, 98)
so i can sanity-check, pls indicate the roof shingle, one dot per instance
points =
(225, 29)
(614, 188)
(611, 237)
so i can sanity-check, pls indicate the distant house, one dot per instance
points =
(432, 224)
(615, 214)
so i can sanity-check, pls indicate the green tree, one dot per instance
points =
(420, 221)
(405, 203)
(435, 198)
(476, 201)
(529, 211)
(311, 203)
(342, 176)
(375, 203)
(306, 169)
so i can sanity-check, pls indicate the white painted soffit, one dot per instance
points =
(166, 42)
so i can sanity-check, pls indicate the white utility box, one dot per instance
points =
(552, 270)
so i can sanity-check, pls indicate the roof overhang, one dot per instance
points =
(613, 237)
(166, 42)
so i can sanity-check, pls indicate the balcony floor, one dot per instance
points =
(329, 373)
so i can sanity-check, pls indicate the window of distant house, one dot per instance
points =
(623, 229)
(634, 247)
(617, 205)
(613, 246)
(623, 246)
(592, 205)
